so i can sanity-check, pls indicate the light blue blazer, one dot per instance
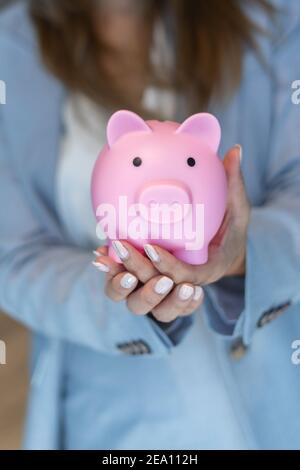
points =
(83, 378)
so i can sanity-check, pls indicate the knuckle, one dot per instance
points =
(112, 293)
(147, 297)
(117, 288)
(133, 307)
(165, 314)
(129, 265)
(138, 269)
(161, 316)
(165, 268)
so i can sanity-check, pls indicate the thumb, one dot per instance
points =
(237, 198)
(232, 165)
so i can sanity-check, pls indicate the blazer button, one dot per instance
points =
(133, 348)
(271, 314)
(238, 349)
(142, 347)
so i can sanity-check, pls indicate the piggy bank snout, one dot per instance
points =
(165, 196)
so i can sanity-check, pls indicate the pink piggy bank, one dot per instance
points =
(161, 183)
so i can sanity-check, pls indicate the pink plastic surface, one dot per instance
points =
(164, 177)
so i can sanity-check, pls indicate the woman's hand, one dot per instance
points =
(142, 286)
(168, 287)
(227, 251)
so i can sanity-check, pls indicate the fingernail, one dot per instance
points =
(240, 148)
(101, 266)
(185, 292)
(163, 285)
(128, 280)
(151, 253)
(97, 253)
(120, 249)
(198, 293)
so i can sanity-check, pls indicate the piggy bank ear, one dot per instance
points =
(123, 122)
(204, 126)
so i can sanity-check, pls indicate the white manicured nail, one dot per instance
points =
(120, 249)
(96, 253)
(163, 285)
(151, 253)
(101, 266)
(198, 293)
(128, 281)
(240, 148)
(185, 292)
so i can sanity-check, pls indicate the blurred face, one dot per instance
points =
(124, 28)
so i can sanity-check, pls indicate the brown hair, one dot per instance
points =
(210, 39)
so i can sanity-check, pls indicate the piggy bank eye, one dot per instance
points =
(191, 161)
(137, 161)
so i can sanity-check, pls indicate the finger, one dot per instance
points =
(120, 286)
(196, 301)
(101, 251)
(233, 231)
(232, 163)
(178, 270)
(108, 266)
(134, 261)
(237, 197)
(235, 221)
(176, 304)
(143, 300)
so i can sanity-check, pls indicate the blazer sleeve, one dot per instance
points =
(53, 288)
(236, 306)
